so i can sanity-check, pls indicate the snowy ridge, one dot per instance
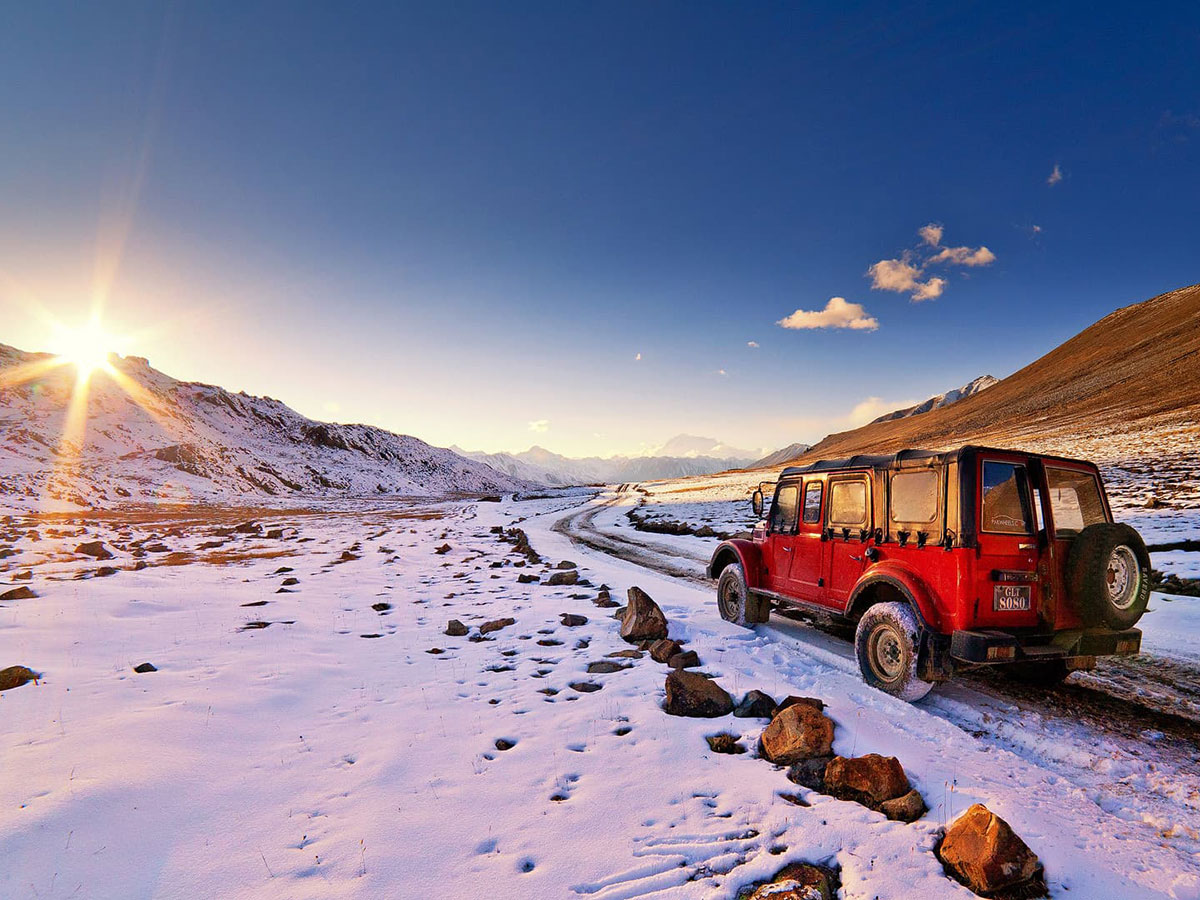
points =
(186, 441)
(982, 383)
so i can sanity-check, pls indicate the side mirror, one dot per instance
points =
(757, 501)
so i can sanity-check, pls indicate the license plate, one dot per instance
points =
(1010, 597)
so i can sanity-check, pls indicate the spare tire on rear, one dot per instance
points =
(1108, 575)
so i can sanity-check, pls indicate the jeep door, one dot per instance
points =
(781, 535)
(847, 527)
(807, 576)
(1007, 563)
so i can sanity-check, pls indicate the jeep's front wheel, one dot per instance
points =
(734, 601)
(886, 643)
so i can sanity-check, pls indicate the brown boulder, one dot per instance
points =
(798, 881)
(570, 576)
(792, 700)
(496, 625)
(20, 593)
(15, 676)
(689, 659)
(692, 694)
(869, 780)
(799, 732)
(908, 808)
(663, 650)
(94, 549)
(455, 628)
(984, 853)
(643, 620)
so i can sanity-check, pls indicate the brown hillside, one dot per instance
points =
(1133, 372)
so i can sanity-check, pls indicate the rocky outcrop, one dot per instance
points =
(981, 851)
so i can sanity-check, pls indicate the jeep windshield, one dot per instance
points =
(1074, 500)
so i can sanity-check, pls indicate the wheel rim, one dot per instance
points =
(1122, 578)
(885, 653)
(727, 599)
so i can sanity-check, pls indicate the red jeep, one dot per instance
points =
(945, 560)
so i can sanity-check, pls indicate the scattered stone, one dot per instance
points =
(105, 571)
(982, 852)
(94, 549)
(605, 602)
(908, 808)
(869, 780)
(692, 694)
(139, 565)
(724, 743)
(549, 642)
(15, 676)
(795, 799)
(663, 650)
(347, 556)
(502, 744)
(643, 620)
(283, 570)
(797, 881)
(248, 528)
(20, 593)
(566, 564)
(798, 732)
(585, 687)
(605, 668)
(496, 625)
(792, 700)
(755, 705)
(381, 607)
(145, 667)
(445, 548)
(275, 534)
(254, 626)
(256, 603)
(573, 621)
(689, 659)
(626, 654)
(290, 582)
(809, 773)
(570, 576)
(455, 628)
(583, 643)
(23, 576)
(526, 578)
(435, 651)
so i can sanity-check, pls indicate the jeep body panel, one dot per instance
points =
(739, 550)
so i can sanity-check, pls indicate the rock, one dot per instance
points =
(692, 694)
(626, 654)
(755, 705)
(139, 565)
(248, 528)
(502, 744)
(21, 593)
(585, 687)
(983, 852)
(381, 607)
(810, 773)
(348, 556)
(94, 549)
(283, 570)
(704, 531)
(570, 576)
(869, 780)
(689, 659)
(605, 603)
(573, 621)
(908, 808)
(604, 667)
(275, 534)
(15, 676)
(455, 628)
(105, 571)
(797, 881)
(289, 582)
(799, 732)
(566, 564)
(663, 650)
(792, 700)
(643, 620)
(445, 548)
(496, 625)
(525, 578)
(23, 576)
(145, 667)
(724, 743)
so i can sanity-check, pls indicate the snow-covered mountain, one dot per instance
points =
(781, 456)
(541, 465)
(982, 383)
(185, 441)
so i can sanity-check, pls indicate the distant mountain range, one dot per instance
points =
(185, 441)
(982, 383)
(682, 455)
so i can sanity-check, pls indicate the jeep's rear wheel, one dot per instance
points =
(734, 601)
(886, 643)
(1108, 571)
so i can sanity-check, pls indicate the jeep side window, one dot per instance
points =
(1005, 499)
(848, 504)
(1074, 501)
(785, 509)
(914, 497)
(812, 503)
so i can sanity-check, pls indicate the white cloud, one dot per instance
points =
(1056, 176)
(541, 425)
(903, 277)
(722, 372)
(752, 344)
(838, 313)
(931, 234)
(965, 256)
(871, 408)
(929, 290)
(638, 358)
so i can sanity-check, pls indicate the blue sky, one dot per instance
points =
(465, 221)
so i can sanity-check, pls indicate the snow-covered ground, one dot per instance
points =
(333, 754)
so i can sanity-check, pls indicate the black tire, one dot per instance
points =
(886, 644)
(734, 602)
(1043, 673)
(1108, 575)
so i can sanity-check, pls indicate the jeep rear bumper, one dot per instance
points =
(991, 646)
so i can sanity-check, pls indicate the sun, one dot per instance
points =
(86, 347)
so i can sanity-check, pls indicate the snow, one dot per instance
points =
(304, 760)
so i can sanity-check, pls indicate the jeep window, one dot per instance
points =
(1005, 499)
(785, 508)
(812, 503)
(1074, 501)
(914, 498)
(848, 503)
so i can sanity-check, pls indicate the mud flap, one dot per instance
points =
(933, 658)
(758, 608)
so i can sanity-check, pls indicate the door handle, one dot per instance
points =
(856, 558)
(787, 549)
(1026, 546)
